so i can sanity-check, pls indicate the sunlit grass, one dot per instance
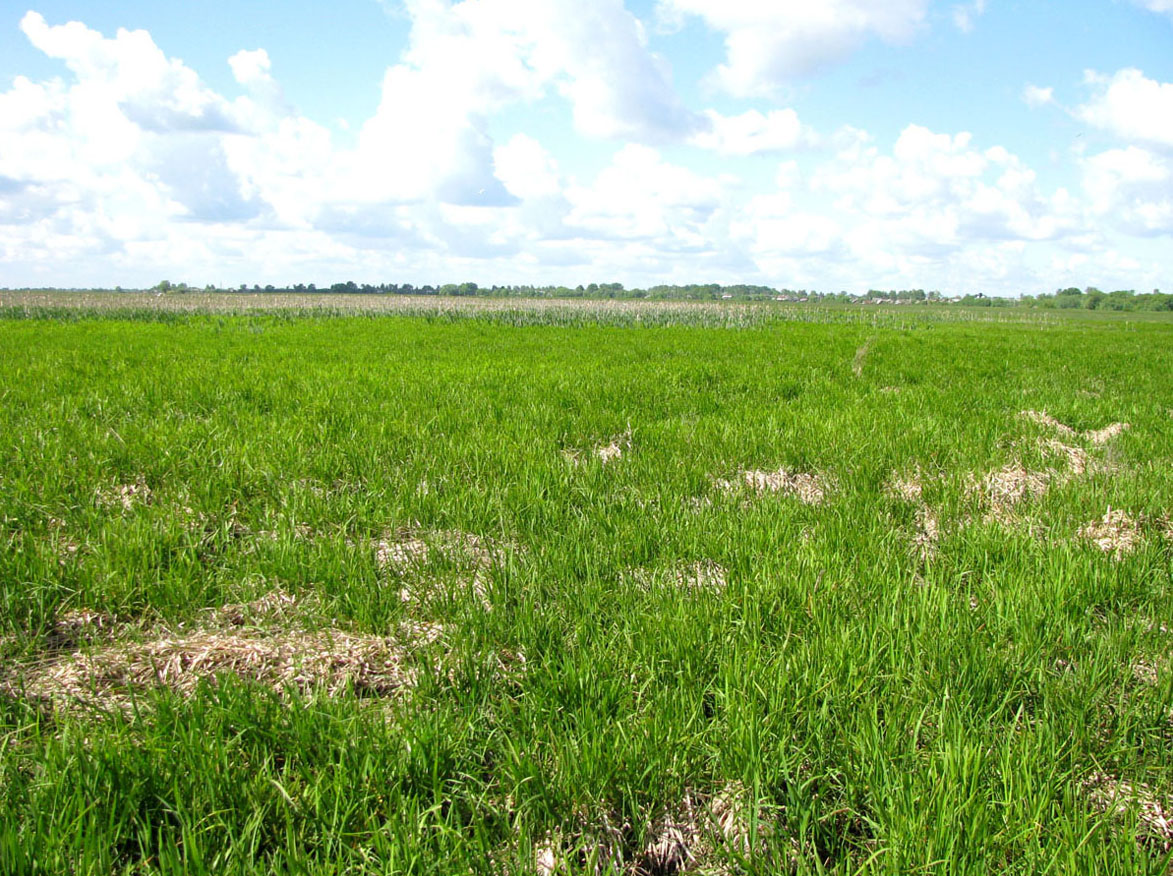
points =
(969, 702)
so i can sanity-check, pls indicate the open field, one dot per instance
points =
(709, 590)
(56, 304)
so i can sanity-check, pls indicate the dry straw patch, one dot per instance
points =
(1154, 814)
(927, 530)
(1115, 533)
(274, 606)
(907, 487)
(1103, 436)
(699, 835)
(699, 575)
(605, 452)
(810, 488)
(327, 661)
(591, 842)
(1006, 487)
(861, 356)
(124, 496)
(1095, 436)
(408, 553)
(81, 625)
(259, 641)
(409, 549)
(1078, 461)
(1042, 418)
(68, 548)
(927, 534)
(1146, 671)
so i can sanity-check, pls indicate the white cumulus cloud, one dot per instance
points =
(1131, 106)
(966, 14)
(768, 44)
(1036, 96)
(752, 132)
(1165, 6)
(1131, 188)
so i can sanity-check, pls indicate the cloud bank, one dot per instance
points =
(130, 167)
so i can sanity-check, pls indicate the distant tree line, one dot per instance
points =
(1095, 299)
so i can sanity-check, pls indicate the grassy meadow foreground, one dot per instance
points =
(722, 590)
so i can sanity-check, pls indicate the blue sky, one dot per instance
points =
(1002, 147)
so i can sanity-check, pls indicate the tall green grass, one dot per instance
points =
(892, 713)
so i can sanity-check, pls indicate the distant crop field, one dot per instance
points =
(157, 306)
(508, 587)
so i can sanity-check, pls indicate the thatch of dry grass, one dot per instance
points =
(808, 487)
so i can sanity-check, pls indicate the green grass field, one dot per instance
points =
(576, 591)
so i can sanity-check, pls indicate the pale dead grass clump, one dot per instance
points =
(408, 553)
(1103, 436)
(409, 549)
(1145, 672)
(701, 575)
(1078, 461)
(260, 641)
(907, 487)
(810, 488)
(1004, 490)
(591, 842)
(67, 547)
(81, 625)
(676, 840)
(1115, 533)
(613, 450)
(927, 530)
(927, 534)
(1042, 418)
(124, 496)
(299, 532)
(698, 575)
(1011, 484)
(1121, 799)
(1095, 436)
(702, 834)
(401, 554)
(327, 661)
(1001, 491)
(276, 605)
(605, 452)
(861, 356)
